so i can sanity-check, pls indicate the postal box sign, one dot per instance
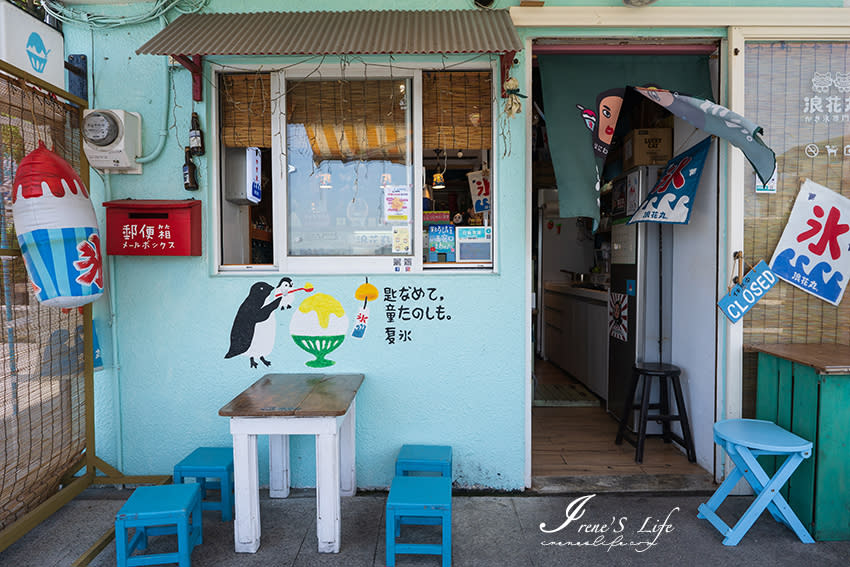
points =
(141, 227)
(744, 295)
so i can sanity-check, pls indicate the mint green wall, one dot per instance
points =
(460, 383)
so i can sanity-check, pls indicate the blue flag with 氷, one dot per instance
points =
(813, 252)
(720, 121)
(671, 199)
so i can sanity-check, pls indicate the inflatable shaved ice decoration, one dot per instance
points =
(57, 230)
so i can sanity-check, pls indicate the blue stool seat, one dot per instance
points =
(744, 440)
(425, 497)
(159, 510)
(424, 459)
(210, 462)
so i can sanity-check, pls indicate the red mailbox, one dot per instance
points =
(142, 227)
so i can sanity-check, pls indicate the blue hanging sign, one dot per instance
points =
(744, 295)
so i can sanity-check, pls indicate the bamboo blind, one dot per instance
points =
(351, 119)
(246, 110)
(781, 85)
(42, 381)
(457, 110)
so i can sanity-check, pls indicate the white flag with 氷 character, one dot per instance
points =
(814, 250)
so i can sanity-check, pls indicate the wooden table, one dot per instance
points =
(280, 405)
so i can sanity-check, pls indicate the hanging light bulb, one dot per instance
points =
(325, 181)
(439, 181)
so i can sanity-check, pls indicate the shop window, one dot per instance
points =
(338, 161)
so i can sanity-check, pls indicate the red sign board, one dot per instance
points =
(141, 227)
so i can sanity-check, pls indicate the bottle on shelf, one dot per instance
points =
(196, 136)
(190, 182)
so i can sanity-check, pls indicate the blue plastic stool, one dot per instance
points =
(424, 459)
(210, 462)
(420, 497)
(744, 440)
(166, 509)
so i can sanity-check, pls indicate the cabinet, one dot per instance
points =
(806, 390)
(576, 334)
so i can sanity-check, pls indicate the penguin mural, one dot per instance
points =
(253, 330)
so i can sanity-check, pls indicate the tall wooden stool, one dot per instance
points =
(210, 462)
(166, 509)
(663, 372)
(744, 440)
(420, 497)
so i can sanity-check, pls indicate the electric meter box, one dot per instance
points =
(112, 140)
(31, 45)
(243, 174)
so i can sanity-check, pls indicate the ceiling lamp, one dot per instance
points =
(439, 181)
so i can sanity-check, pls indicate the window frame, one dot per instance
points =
(283, 262)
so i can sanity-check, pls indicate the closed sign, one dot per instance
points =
(743, 296)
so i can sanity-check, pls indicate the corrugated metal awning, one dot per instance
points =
(337, 33)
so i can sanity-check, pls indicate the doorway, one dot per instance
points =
(573, 429)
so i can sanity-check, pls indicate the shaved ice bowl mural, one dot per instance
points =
(319, 326)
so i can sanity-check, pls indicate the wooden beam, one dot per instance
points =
(196, 68)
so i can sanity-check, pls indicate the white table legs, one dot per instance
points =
(335, 472)
(246, 524)
(348, 473)
(278, 466)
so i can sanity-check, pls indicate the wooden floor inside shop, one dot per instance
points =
(574, 441)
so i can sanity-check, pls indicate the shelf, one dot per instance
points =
(260, 234)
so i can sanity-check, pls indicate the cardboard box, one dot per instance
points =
(647, 146)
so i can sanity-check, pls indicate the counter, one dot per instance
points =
(805, 388)
(575, 337)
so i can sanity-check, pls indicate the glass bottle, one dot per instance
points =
(196, 137)
(190, 182)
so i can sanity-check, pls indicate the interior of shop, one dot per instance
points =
(580, 368)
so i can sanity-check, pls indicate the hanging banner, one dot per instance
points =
(671, 199)
(479, 188)
(720, 121)
(812, 253)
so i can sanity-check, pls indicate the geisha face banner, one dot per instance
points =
(814, 250)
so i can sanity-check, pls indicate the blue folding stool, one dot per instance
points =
(744, 440)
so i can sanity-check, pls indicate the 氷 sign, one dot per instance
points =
(814, 250)
(672, 198)
(744, 295)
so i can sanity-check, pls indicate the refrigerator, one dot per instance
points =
(639, 305)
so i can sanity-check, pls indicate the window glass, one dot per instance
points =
(349, 170)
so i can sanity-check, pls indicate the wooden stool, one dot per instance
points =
(664, 372)
(166, 509)
(210, 462)
(744, 440)
(420, 497)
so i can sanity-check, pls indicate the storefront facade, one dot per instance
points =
(447, 350)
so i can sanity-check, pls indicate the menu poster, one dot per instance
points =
(401, 239)
(396, 204)
(441, 240)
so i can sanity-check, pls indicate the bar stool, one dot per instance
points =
(744, 440)
(664, 372)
